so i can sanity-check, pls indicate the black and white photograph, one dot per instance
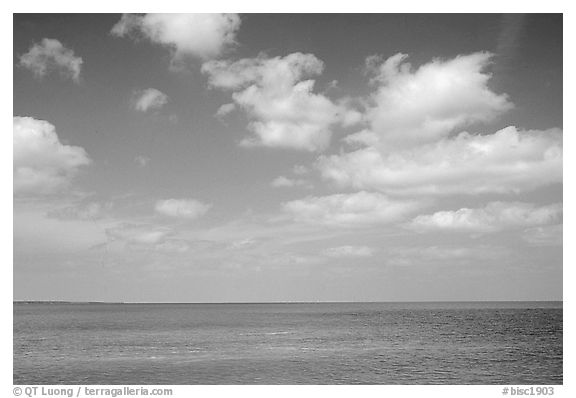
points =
(287, 199)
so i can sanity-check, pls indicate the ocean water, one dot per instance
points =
(335, 343)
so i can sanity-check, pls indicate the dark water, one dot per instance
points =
(373, 343)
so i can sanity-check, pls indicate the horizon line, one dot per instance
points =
(276, 302)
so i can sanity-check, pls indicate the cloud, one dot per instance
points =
(150, 98)
(142, 161)
(225, 110)
(508, 161)
(547, 235)
(356, 209)
(42, 164)
(284, 182)
(349, 251)
(446, 255)
(364, 137)
(138, 234)
(283, 109)
(412, 107)
(410, 147)
(81, 211)
(203, 36)
(38, 233)
(494, 216)
(50, 55)
(148, 238)
(243, 243)
(182, 208)
(300, 169)
(173, 246)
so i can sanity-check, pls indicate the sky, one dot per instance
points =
(287, 157)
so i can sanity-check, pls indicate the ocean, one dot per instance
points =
(308, 343)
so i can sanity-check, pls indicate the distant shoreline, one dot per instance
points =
(277, 302)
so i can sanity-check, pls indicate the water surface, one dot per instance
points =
(327, 343)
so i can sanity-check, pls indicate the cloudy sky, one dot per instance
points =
(219, 158)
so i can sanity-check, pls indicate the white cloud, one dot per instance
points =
(50, 55)
(364, 137)
(150, 98)
(138, 234)
(202, 36)
(349, 251)
(225, 110)
(493, 217)
(507, 161)
(284, 110)
(411, 107)
(182, 208)
(361, 208)
(285, 182)
(147, 238)
(410, 148)
(42, 164)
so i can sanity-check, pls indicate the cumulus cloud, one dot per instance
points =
(182, 208)
(493, 217)
(285, 182)
(349, 251)
(411, 107)
(508, 161)
(203, 36)
(42, 164)
(356, 209)
(278, 97)
(51, 56)
(411, 147)
(149, 99)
